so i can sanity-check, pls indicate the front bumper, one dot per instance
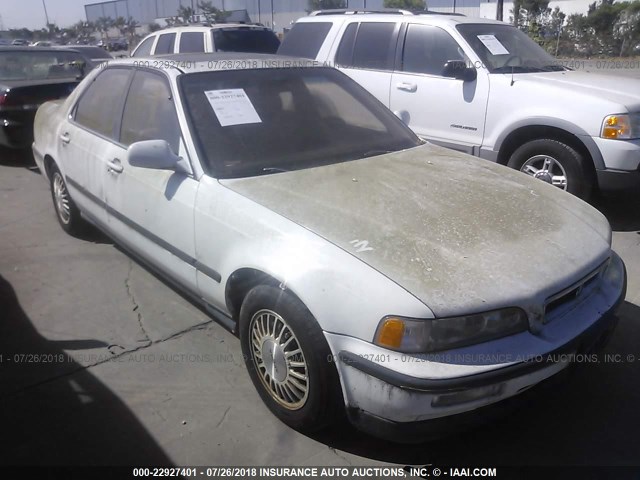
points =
(387, 402)
(622, 164)
(618, 180)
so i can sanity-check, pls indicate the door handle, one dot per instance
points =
(407, 87)
(115, 166)
(65, 138)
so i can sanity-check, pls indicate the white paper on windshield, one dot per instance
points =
(493, 45)
(232, 107)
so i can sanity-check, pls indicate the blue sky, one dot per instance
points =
(30, 13)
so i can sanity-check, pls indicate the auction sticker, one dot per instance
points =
(493, 45)
(232, 107)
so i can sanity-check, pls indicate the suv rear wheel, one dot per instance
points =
(556, 163)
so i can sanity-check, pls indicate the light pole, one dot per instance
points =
(46, 15)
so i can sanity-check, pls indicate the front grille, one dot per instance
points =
(571, 294)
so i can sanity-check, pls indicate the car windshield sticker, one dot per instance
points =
(232, 107)
(493, 45)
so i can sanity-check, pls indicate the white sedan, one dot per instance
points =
(363, 269)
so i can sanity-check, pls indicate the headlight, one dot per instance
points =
(412, 335)
(621, 127)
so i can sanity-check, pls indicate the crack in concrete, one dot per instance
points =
(136, 307)
(340, 456)
(224, 417)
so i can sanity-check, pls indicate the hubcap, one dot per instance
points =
(279, 360)
(61, 198)
(547, 169)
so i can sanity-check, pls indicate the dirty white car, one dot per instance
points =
(361, 267)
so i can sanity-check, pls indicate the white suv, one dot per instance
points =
(224, 37)
(483, 87)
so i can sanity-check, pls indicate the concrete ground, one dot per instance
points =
(102, 363)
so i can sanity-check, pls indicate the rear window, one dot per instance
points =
(368, 45)
(165, 44)
(305, 39)
(21, 65)
(262, 121)
(245, 40)
(191, 42)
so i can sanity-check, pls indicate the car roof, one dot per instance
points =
(207, 62)
(431, 18)
(25, 48)
(207, 28)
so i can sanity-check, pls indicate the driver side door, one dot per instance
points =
(151, 210)
(444, 110)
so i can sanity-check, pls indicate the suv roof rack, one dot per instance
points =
(396, 11)
(348, 11)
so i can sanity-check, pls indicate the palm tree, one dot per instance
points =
(103, 24)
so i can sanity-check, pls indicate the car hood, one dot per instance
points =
(461, 234)
(620, 90)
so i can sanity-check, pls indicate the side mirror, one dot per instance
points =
(459, 70)
(81, 65)
(156, 154)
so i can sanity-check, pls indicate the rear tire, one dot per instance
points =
(557, 163)
(67, 212)
(288, 359)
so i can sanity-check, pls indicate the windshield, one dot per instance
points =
(263, 121)
(245, 39)
(505, 49)
(24, 65)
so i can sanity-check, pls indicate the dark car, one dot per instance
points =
(117, 45)
(92, 55)
(29, 77)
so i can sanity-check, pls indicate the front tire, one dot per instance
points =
(556, 163)
(67, 212)
(288, 359)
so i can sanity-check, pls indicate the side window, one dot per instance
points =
(344, 56)
(192, 42)
(427, 49)
(149, 112)
(99, 106)
(305, 39)
(165, 44)
(373, 47)
(144, 50)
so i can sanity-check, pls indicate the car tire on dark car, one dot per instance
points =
(288, 359)
(548, 158)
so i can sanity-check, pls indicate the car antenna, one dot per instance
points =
(512, 80)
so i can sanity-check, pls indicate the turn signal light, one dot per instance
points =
(390, 333)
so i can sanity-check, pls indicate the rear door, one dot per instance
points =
(87, 140)
(366, 53)
(151, 211)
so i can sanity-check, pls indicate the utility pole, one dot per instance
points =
(272, 20)
(499, 10)
(46, 15)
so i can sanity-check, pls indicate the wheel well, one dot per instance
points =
(240, 283)
(534, 132)
(48, 163)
